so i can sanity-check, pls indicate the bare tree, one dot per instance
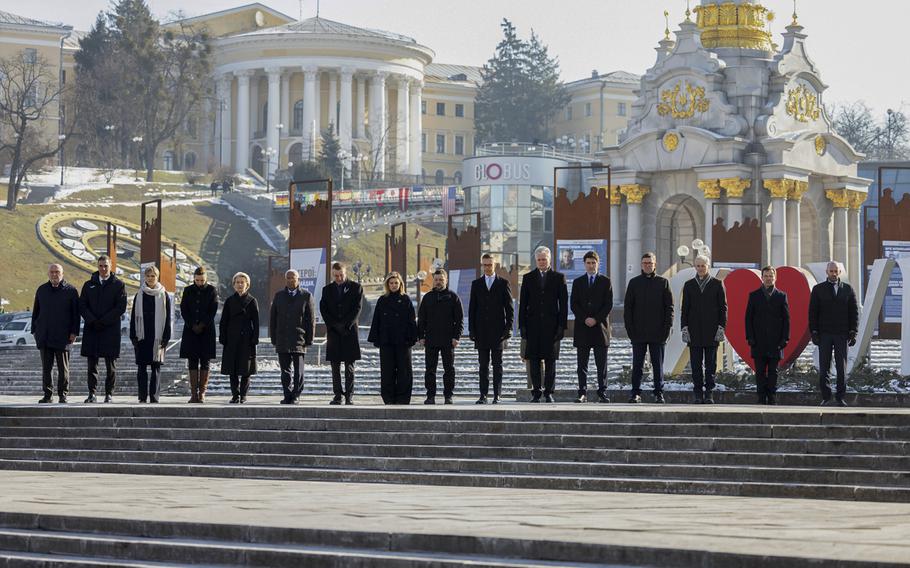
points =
(885, 140)
(30, 98)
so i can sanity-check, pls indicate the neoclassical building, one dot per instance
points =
(730, 129)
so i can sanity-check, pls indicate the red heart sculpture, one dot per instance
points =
(795, 282)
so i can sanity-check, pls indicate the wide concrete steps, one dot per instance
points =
(831, 455)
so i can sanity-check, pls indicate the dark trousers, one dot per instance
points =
(110, 379)
(657, 365)
(48, 358)
(448, 370)
(549, 376)
(486, 355)
(600, 362)
(838, 343)
(396, 376)
(291, 374)
(148, 385)
(240, 385)
(704, 367)
(348, 389)
(197, 363)
(766, 376)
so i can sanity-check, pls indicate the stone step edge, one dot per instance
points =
(501, 547)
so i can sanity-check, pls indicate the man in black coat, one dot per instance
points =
(55, 325)
(543, 312)
(702, 319)
(833, 322)
(292, 325)
(767, 332)
(648, 315)
(102, 304)
(440, 322)
(490, 317)
(592, 301)
(340, 307)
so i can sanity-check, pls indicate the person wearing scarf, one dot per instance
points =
(239, 334)
(150, 331)
(703, 320)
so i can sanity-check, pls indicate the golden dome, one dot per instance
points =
(734, 25)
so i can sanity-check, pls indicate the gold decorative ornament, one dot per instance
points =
(635, 193)
(683, 105)
(856, 198)
(667, 23)
(735, 187)
(796, 189)
(670, 141)
(802, 104)
(840, 198)
(778, 188)
(821, 145)
(615, 196)
(710, 187)
(728, 25)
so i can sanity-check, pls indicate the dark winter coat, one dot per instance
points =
(703, 311)
(490, 313)
(198, 307)
(440, 318)
(145, 349)
(648, 309)
(394, 321)
(239, 335)
(592, 302)
(543, 313)
(55, 315)
(102, 306)
(341, 314)
(768, 324)
(837, 315)
(292, 321)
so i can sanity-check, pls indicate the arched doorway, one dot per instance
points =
(680, 220)
(295, 153)
(169, 161)
(189, 161)
(258, 161)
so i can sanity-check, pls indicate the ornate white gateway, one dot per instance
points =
(730, 130)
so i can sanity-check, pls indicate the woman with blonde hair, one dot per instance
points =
(150, 331)
(394, 332)
(239, 334)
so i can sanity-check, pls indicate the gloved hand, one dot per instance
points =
(198, 328)
(685, 335)
(719, 335)
(816, 340)
(851, 340)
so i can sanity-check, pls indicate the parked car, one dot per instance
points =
(16, 333)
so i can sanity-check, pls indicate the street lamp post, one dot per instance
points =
(62, 139)
(343, 156)
(135, 140)
(269, 152)
(110, 128)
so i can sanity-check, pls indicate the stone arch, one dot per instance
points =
(680, 220)
(295, 153)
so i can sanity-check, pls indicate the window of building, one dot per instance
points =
(423, 142)
(440, 143)
(440, 177)
(459, 110)
(459, 145)
(621, 109)
(457, 177)
(297, 125)
(31, 55)
(587, 109)
(568, 113)
(440, 109)
(189, 161)
(423, 107)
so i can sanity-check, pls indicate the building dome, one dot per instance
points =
(737, 24)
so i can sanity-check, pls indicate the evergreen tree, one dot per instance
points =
(328, 153)
(520, 90)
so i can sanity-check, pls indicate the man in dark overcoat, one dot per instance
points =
(55, 325)
(440, 323)
(702, 319)
(292, 326)
(767, 332)
(833, 322)
(102, 304)
(648, 315)
(490, 317)
(592, 301)
(340, 307)
(543, 312)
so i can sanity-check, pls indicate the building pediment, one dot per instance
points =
(820, 152)
(672, 149)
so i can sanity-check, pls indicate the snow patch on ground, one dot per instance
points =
(253, 222)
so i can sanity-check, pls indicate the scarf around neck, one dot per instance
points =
(160, 296)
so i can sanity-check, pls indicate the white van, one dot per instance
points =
(16, 333)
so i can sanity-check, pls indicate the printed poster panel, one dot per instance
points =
(310, 263)
(460, 283)
(570, 259)
(891, 309)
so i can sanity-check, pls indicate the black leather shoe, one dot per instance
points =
(826, 402)
(430, 400)
(840, 402)
(481, 400)
(142, 401)
(549, 398)
(349, 399)
(602, 397)
(285, 400)
(699, 398)
(63, 400)
(635, 399)
(108, 398)
(448, 400)
(582, 398)
(709, 398)
(91, 398)
(46, 400)
(770, 400)
(495, 400)
(659, 398)
(234, 400)
(535, 398)
(336, 400)
(243, 400)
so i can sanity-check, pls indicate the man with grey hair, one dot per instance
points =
(543, 312)
(292, 325)
(702, 319)
(55, 325)
(833, 322)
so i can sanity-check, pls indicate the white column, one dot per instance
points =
(360, 112)
(207, 133)
(271, 129)
(378, 121)
(616, 271)
(224, 113)
(286, 101)
(344, 115)
(854, 268)
(840, 234)
(333, 103)
(318, 116)
(635, 194)
(309, 111)
(794, 246)
(402, 129)
(243, 121)
(904, 262)
(255, 115)
(711, 190)
(778, 231)
(415, 124)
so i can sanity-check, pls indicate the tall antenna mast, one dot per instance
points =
(317, 8)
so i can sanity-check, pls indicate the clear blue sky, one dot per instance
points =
(856, 44)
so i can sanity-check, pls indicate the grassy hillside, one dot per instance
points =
(370, 247)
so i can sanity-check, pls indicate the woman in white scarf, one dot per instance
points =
(150, 331)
